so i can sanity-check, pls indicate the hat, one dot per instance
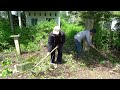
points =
(56, 30)
(93, 30)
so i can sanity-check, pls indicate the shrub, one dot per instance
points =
(5, 33)
(105, 39)
(31, 36)
(70, 31)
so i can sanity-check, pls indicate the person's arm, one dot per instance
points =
(63, 38)
(89, 40)
(50, 42)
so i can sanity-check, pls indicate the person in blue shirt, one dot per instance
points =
(83, 35)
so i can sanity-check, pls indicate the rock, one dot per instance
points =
(25, 66)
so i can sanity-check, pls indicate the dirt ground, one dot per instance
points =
(71, 69)
(64, 72)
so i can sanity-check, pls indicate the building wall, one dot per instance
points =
(40, 15)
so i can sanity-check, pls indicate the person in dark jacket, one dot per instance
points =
(56, 38)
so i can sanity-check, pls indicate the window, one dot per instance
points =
(50, 14)
(55, 14)
(40, 14)
(49, 19)
(29, 14)
(34, 21)
(45, 14)
(34, 14)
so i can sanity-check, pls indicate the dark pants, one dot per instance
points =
(59, 56)
(78, 47)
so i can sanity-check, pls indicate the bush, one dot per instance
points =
(105, 39)
(70, 30)
(33, 46)
(5, 33)
(31, 36)
(45, 26)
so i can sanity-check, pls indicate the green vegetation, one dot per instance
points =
(6, 71)
(5, 33)
(34, 38)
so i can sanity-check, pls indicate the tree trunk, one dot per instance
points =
(88, 26)
(11, 21)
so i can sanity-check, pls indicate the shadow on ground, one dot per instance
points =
(93, 58)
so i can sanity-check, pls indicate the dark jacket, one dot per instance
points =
(55, 40)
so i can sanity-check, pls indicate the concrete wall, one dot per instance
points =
(42, 17)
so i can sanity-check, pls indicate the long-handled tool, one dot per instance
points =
(43, 59)
(101, 54)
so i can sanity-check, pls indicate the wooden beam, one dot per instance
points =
(19, 18)
(16, 41)
(11, 21)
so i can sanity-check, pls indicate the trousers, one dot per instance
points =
(78, 47)
(59, 56)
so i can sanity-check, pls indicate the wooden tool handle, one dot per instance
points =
(45, 57)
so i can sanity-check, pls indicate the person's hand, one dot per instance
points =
(48, 53)
(93, 46)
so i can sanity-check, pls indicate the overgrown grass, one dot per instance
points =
(5, 70)
(105, 39)
(5, 33)
(70, 30)
(32, 37)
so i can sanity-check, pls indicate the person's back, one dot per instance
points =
(82, 35)
(56, 38)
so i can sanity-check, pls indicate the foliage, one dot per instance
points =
(6, 62)
(6, 71)
(31, 36)
(116, 13)
(70, 31)
(45, 26)
(33, 46)
(4, 34)
(104, 38)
